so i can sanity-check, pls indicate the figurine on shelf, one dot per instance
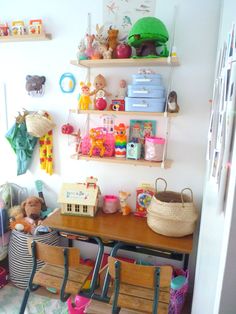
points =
(81, 55)
(112, 39)
(120, 140)
(124, 207)
(100, 93)
(122, 91)
(97, 138)
(172, 102)
(84, 100)
(89, 49)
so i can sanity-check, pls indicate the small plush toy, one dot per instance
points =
(35, 85)
(16, 212)
(112, 38)
(32, 207)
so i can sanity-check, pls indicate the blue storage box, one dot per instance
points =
(147, 91)
(145, 104)
(151, 79)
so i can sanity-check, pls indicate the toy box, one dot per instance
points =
(145, 104)
(144, 194)
(152, 79)
(147, 91)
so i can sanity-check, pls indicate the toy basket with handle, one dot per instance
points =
(171, 213)
(38, 124)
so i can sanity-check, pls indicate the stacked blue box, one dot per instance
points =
(146, 94)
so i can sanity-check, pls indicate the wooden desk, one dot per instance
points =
(125, 230)
(128, 229)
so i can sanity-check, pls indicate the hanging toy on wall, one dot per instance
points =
(35, 85)
(67, 83)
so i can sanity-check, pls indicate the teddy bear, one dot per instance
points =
(35, 85)
(26, 216)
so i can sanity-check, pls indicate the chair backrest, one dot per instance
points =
(141, 288)
(140, 275)
(55, 254)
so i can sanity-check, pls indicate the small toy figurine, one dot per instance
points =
(84, 100)
(99, 37)
(112, 38)
(172, 102)
(89, 49)
(124, 207)
(120, 140)
(99, 84)
(81, 55)
(122, 91)
(97, 138)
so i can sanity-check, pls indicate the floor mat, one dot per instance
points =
(11, 298)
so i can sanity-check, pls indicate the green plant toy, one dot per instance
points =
(147, 34)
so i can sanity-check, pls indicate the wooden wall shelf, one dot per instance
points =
(140, 162)
(125, 113)
(27, 37)
(129, 62)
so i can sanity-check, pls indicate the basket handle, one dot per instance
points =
(181, 193)
(161, 180)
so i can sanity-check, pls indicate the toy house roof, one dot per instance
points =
(79, 193)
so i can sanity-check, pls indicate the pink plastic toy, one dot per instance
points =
(79, 306)
(110, 204)
(89, 50)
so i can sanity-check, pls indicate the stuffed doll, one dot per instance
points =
(99, 84)
(32, 207)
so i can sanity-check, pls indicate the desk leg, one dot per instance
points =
(113, 253)
(96, 268)
(186, 259)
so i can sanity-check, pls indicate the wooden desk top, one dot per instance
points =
(128, 229)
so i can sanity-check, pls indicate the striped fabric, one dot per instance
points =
(20, 262)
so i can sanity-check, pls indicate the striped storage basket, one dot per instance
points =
(20, 262)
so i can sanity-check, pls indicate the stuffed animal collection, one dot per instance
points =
(26, 217)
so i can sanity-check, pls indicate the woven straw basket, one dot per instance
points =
(172, 214)
(38, 125)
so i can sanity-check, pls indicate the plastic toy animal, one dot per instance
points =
(81, 55)
(89, 49)
(172, 102)
(124, 207)
(97, 138)
(84, 100)
(112, 38)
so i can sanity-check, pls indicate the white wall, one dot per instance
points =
(216, 251)
(196, 34)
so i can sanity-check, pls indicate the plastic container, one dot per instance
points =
(154, 147)
(110, 204)
(147, 91)
(147, 79)
(144, 104)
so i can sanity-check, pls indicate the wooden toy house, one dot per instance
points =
(80, 198)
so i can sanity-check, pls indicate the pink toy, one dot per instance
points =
(80, 305)
(110, 204)
(89, 50)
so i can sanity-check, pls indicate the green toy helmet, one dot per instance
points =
(148, 29)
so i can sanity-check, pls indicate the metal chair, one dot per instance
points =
(143, 289)
(62, 270)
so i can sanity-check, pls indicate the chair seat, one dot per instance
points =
(52, 276)
(141, 299)
(98, 307)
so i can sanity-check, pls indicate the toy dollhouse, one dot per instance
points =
(80, 198)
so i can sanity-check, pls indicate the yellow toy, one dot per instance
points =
(84, 100)
(97, 138)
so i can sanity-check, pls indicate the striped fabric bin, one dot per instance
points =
(20, 262)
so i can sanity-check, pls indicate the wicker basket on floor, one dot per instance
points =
(172, 214)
